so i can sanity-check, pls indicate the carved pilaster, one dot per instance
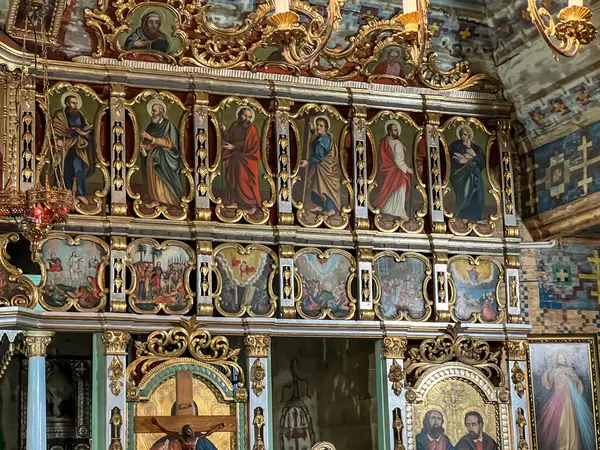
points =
(201, 159)
(513, 299)
(365, 281)
(257, 345)
(393, 351)
(284, 161)
(361, 170)
(508, 191)
(287, 285)
(36, 343)
(434, 168)
(118, 167)
(11, 130)
(118, 274)
(516, 352)
(257, 350)
(394, 347)
(204, 288)
(115, 342)
(26, 98)
(440, 286)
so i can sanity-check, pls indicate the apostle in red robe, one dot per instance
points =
(241, 155)
(393, 175)
(391, 66)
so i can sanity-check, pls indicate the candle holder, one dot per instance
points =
(573, 30)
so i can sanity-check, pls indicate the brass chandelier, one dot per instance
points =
(42, 206)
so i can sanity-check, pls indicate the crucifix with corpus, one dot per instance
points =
(185, 430)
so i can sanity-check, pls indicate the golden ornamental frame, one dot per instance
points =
(50, 36)
(326, 312)
(30, 295)
(404, 315)
(214, 168)
(246, 309)
(73, 240)
(421, 185)
(132, 168)
(474, 261)
(190, 266)
(332, 113)
(592, 342)
(494, 191)
(102, 164)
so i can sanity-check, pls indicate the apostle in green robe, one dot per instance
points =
(161, 161)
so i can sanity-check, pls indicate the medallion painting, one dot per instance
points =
(245, 280)
(454, 412)
(391, 68)
(151, 34)
(19, 21)
(243, 185)
(322, 190)
(75, 117)
(476, 288)
(398, 196)
(472, 198)
(563, 376)
(324, 280)
(73, 272)
(160, 276)
(401, 286)
(159, 177)
(15, 288)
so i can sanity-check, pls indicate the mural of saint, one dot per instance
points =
(391, 65)
(433, 436)
(466, 176)
(476, 438)
(186, 439)
(567, 420)
(160, 158)
(148, 36)
(324, 171)
(393, 174)
(74, 137)
(241, 156)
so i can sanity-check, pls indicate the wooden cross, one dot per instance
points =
(184, 410)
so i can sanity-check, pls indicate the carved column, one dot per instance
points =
(118, 274)
(511, 281)
(393, 402)
(287, 285)
(361, 170)
(435, 180)
(27, 128)
(10, 130)
(115, 410)
(365, 283)
(260, 431)
(118, 168)
(202, 157)
(519, 394)
(440, 286)
(508, 191)
(36, 343)
(204, 266)
(284, 161)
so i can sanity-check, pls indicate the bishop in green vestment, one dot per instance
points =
(161, 160)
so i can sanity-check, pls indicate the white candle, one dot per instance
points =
(409, 6)
(281, 6)
(575, 2)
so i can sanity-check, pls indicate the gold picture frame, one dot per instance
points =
(17, 29)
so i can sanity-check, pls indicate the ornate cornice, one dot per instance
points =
(36, 342)
(257, 345)
(116, 342)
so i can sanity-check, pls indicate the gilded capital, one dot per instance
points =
(36, 342)
(115, 342)
(394, 347)
(517, 349)
(257, 345)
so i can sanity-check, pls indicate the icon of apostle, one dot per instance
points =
(241, 156)
(432, 436)
(476, 439)
(393, 174)
(148, 36)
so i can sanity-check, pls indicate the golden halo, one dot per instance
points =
(71, 93)
(458, 130)
(394, 122)
(237, 112)
(325, 118)
(156, 101)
